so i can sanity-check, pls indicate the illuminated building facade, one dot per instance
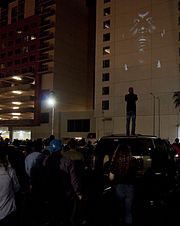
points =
(137, 45)
(45, 48)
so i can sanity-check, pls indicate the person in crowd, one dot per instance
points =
(33, 160)
(79, 163)
(73, 154)
(131, 99)
(122, 173)
(160, 158)
(176, 146)
(52, 137)
(33, 167)
(62, 185)
(8, 186)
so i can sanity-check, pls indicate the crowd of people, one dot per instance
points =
(44, 182)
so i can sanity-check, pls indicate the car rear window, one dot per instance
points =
(139, 146)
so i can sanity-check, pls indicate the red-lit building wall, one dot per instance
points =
(19, 53)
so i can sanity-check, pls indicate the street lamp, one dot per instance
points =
(159, 116)
(154, 113)
(51, 101)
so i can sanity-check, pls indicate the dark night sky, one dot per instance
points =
(4, 2)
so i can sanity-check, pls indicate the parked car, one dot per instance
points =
(141, 148)
(153, 157)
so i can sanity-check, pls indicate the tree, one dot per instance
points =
(176, 97)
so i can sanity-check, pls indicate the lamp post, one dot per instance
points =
(154, 113)
(159, 116)
(51, 101)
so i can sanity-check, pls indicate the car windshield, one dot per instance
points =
(139, 146)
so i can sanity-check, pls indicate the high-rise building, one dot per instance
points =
(137, 45)
(46, 49)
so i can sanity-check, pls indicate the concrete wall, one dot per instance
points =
(72, 78)
(145, 55)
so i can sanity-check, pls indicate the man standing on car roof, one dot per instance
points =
(131, 99)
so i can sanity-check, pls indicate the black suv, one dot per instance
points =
(151, 180)
(141, 148)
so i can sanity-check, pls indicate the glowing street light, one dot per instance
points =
(51, 101)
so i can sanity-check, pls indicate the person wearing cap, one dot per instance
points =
(131, 99)
(63, 186)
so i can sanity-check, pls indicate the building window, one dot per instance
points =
(105, 90)
(17, 51)
(31, 69)
(19, 31)
(14, 12)
(13, 20)
(3, 45)
(3, 35)
(24, 60)
(106, 50)
(24, 70)
(106, 37)
(26, 38)
(105, 77)
(9, 63)
(106, 24)
(10, 53)
(44, 117)
(10, 43)
(78, 125)
(20, 17)
(105, 105)
(32, 47)
(33, 37)
(179, 5)
(32, 58)
(2, 65)
(17, 62)
(106, 1)
(18, 40)
(25, 49)
(33, 25)
(107, 11)
(106, 63)
(11, 33)
(26, 28)
(3, 55)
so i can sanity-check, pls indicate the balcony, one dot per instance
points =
(45, 58)
(45, 69)
(46, 36)
(47, 12)
(46, 25)
(46, 3)
(46, 47)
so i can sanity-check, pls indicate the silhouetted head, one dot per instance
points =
(130, 90)
(72, 144)
(177, 140)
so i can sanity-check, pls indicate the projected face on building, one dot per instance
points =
(142, 28)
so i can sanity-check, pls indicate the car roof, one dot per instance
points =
(118, 136)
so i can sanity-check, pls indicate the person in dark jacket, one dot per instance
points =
(131, 99)
(63, 186)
